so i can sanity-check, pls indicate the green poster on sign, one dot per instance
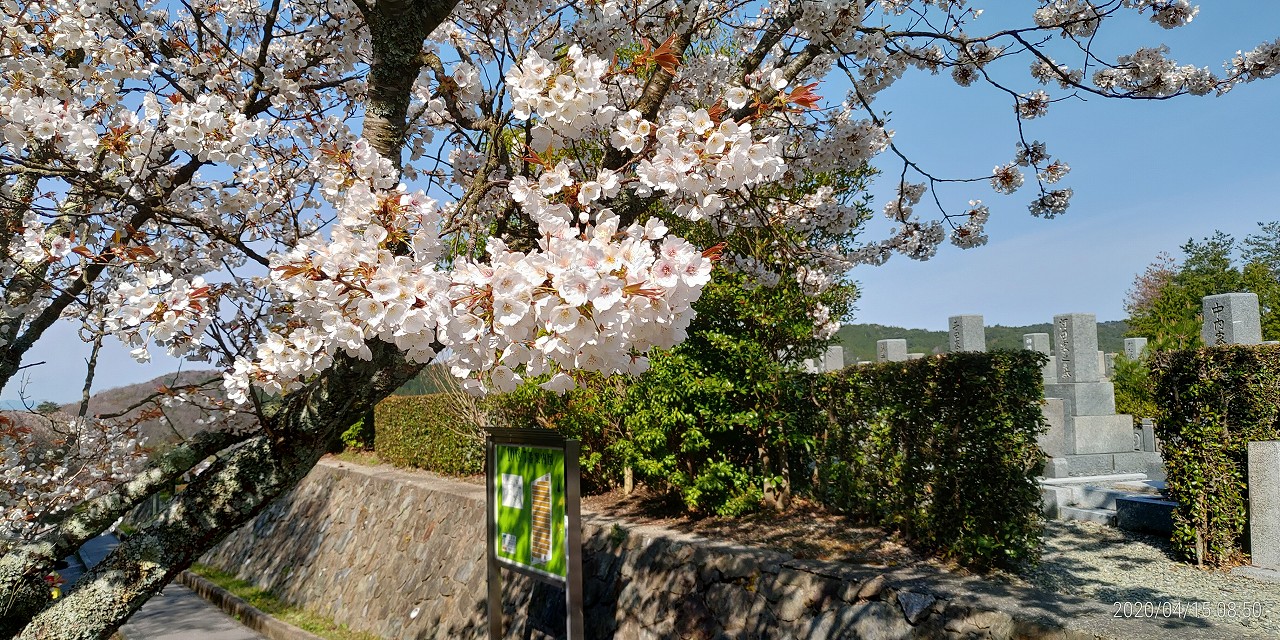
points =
(529, 508)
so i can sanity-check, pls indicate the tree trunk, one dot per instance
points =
(242, 484)
(22, 569)
(231, 492)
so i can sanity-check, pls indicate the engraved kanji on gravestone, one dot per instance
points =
(1066, 361)
(967, 334)
(1219, 325)
(1231, 318)
(1077, 342)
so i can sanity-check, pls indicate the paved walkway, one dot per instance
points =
(176, 613)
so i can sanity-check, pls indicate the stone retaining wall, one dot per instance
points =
(400, 554)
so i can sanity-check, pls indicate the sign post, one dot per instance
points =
(534, 517)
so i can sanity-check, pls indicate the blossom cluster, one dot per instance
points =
(698, 159)
(171, 312)
(590, 298)
(49, 468)
(568, 99)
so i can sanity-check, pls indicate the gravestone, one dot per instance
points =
(1041, 342)
(1135, 348)
(915, 356)
(1053, 440)
(1076, 338)
(833, 359)
(967, 334)
(1036, 342)
(1109, 365)
(892, 350)
(1264, 504)
(1231, 318)
(1094, 439)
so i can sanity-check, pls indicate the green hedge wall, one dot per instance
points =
(425, 432)
(1214, 401)
(942, 449)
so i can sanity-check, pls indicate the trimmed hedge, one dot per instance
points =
(425, 432)
(942, 449)
(1214, 401)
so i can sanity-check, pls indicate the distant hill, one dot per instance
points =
(859, 340)
(178, 421)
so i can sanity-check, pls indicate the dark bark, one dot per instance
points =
(397, 29)
(22, 587)
(231, 492)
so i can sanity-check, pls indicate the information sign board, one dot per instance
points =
(529, 508)
(533, 495)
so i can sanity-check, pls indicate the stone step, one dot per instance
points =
(1103, 479)
(1085, 514)
(1152, 487)
(1094, 497)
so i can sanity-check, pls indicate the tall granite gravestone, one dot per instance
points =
(1091, 438)
(892, 350)
(966, 334)
(1135, 348)
(1264, 504)
(1040, 342)
(1231, 318)
(831, 360)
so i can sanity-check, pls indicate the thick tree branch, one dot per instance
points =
(23, 592)
(228, 494)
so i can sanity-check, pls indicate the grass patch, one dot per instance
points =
(263, 601)
(353, 456)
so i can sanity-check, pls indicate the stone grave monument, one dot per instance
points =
(1135, 348)
(1086, 437)
(1040, 342)
(1231, 318)
(966, 334)
(892, 350)
(831, 360)
(1264, 504)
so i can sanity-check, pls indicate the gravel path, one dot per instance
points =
(1139, 573)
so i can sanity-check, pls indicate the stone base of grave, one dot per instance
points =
(1083, 434)
(1147, 463)
(1084, 398)
(1126, 500)
(1099, 434)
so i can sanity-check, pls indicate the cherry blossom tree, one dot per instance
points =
(322, 196)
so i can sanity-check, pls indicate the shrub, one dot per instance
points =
(359, 436)
(942, 449)
(720, 431)
(590, 413)
(1214, 401)
(1134, 388)
(428, 432)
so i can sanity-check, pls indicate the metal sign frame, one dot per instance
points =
(572, 581)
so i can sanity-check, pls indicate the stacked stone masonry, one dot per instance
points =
(400, 554)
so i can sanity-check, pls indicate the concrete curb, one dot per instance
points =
(243, 611)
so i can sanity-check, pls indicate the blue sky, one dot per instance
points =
(1147, 176)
